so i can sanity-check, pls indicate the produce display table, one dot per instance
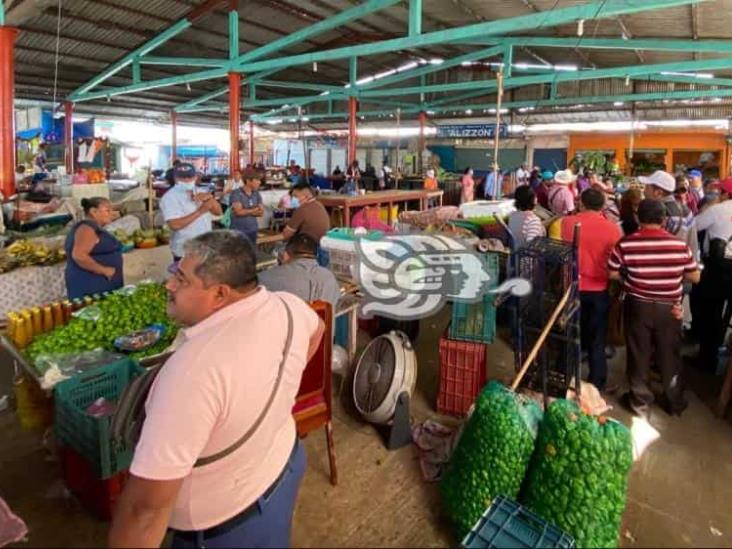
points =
(377, 198)
(147, 264)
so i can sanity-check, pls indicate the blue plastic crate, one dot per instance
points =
(508, 525)
(87, 435)
(476, 322)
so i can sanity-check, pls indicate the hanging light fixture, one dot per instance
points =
(580, 27)
(315, 66)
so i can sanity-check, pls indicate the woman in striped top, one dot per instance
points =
(653, 264)
(524, 224)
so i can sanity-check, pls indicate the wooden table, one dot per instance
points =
(376, 198)
(265, 237)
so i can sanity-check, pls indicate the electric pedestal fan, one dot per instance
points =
(383, 383)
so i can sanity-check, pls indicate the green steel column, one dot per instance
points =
(233, 34)
(353, 71)
(2, 12)
(136, 73)
(415, 17)
(507, 61)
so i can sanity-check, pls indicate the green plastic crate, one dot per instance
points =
(476, 322)
(87, 435)
(507, 524)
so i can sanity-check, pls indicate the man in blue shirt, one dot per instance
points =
(187, 213)
(491, 183)
(246, 207)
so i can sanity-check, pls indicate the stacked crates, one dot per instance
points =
(463, 348)
(551, 266)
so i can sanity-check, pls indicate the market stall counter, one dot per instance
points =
(378, 198)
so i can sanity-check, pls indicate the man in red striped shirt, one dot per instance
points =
(653, 264)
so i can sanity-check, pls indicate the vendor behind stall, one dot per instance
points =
(93, 255)
(310, 218)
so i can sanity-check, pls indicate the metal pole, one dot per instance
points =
(69, 136)
(352, 131)
(301, 135)
(422, 122)
(398, 172)
(631, 147)
(234, 119)
(7, 115)
(174, 136)
(251, 142)
(499, 79)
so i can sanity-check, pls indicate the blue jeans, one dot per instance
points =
(269, 525)
(594, 309)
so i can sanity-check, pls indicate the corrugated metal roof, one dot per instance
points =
(95, 33)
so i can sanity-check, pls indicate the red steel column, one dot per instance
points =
(352, 134)
(422, 123)
(7, 114)
(174, 136)
(69, 136)
(234, 118)
(251, 143)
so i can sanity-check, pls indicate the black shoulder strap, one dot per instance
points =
(246, 436)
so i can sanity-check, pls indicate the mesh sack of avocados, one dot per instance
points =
(578, 475)
(491, 456)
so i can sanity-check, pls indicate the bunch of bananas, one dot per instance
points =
(25, 253)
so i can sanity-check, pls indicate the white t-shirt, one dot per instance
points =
(177, 203)
(210, 392)
(717, 221)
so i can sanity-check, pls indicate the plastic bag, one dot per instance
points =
(90, 312)
(70, 364)
(491, 457)
(579, 473)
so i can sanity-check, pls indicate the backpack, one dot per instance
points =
(129, 417)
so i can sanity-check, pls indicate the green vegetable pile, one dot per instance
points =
(491, 457)
(579, 473)
(118, 314)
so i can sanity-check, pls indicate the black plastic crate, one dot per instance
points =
(558, 361)
(507, 524)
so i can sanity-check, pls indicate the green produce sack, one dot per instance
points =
(491, 456)
(579, 473)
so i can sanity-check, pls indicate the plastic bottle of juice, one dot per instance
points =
(28, 321)
(47, 318)
(12, 325)
(88, 300)
(37, 318)
(58, 314)
(22, 332)
(68, 308)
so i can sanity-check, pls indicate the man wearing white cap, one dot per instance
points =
(679, 218)
(561, 198)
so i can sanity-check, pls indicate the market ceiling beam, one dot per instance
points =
(182, 61)
(300, 86)
(415, 17)
(650, 44)
(515, 82)
(243, 63)
(598, 10)
(528, 104)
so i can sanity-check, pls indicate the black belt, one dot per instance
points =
(237, 520)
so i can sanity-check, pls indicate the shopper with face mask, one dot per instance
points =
(187, 213)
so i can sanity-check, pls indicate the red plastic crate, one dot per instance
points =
(97, 495)
(462, 375)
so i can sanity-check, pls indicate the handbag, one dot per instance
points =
(225, 219)
(128, 419)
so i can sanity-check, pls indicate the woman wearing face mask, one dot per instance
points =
(467, 183)
(93, 256)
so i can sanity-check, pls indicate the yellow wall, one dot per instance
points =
(620, 142)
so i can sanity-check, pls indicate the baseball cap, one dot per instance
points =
(660, 179)
(726, 185)
(547, 175)
(184, 171)
(695, 173)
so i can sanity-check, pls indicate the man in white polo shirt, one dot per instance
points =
(233, 376)
(715, 289)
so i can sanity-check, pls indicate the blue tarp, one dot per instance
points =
(52, 130)
(208, 151)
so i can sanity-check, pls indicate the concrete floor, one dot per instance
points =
(679, 495)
